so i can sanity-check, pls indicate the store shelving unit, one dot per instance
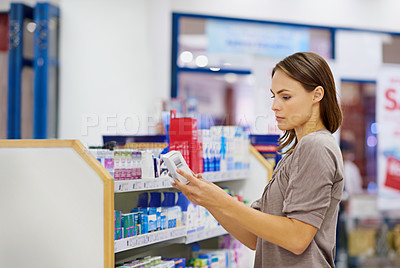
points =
(177, 234)
(204, 234)
(61, 202)
(164, 182)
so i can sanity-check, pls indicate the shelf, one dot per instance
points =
(226, 175)
(148, 239)
(166, 235)
(204, 234)
(142, 184)
(165, 181)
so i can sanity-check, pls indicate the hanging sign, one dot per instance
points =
(227, 37)
(388, 119)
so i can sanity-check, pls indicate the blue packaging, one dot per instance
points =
(155, 199)
(169, 199)
(158, 214)
(163, 221)
(208, 257)
(144, 224)
(143, 200)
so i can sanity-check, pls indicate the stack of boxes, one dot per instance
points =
(183, 137)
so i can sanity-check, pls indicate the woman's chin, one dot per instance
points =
(283, 127)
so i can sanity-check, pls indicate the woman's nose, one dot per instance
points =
(275, 106)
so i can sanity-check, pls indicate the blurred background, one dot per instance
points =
(95, 68)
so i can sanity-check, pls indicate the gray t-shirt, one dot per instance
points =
(306, 185)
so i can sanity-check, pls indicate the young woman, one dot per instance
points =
(293, 224)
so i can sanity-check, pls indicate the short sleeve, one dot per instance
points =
(256, 204)
(311, 178)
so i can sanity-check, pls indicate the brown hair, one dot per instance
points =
(311, 70)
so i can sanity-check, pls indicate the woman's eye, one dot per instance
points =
(286, 97)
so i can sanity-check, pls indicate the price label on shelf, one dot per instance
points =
(166, 183)
(148, 184)
(131, 242)
(117, 246)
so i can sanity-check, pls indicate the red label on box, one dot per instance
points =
(393, 173)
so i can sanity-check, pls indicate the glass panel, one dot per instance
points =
(391, 49)
(237, 46)
(321, 42)
(27, 103)
(52, 98)
(232, 44)
(358, 139)
(220, 99)
(29, 28)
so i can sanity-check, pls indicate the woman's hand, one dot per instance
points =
(200, 191)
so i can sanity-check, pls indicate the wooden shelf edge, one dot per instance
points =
(262, 161)
(31, 143)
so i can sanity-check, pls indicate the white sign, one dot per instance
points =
(256, 38)
(388, 119)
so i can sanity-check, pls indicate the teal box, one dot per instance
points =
(117, 219)
(129, 232)
(118, 233)
(128, 220)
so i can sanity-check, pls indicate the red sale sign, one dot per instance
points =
(388, 152)
(393, 173)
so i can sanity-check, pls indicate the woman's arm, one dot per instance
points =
(245, 223)
(237, 230)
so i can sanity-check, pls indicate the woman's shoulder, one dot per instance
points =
(317, 141)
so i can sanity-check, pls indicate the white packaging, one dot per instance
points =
(174, 160)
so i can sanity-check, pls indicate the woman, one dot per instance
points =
(293, 224)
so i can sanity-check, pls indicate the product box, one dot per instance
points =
(129, 232)
(128, 220)
(183, 132)
(117, 219)
(144, 224)
(118, 233)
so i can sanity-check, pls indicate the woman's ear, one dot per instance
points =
(318, 94)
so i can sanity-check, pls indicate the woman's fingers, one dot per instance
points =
(189, 177)
(177, 184)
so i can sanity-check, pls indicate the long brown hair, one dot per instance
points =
(311, 70)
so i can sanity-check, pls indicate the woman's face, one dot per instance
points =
(292, 103)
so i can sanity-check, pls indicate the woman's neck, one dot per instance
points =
(309, 127)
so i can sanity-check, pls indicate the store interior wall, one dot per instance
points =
(115, 55)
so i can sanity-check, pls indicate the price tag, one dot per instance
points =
(131, 243)
(139, 185)
(117, 246)
(140, 241)
(166, 183)
(164, 235)
(155, 237)
(125, 186)
(133, 186)
(148, 184)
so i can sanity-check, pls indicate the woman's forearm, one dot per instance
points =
(236, 230)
